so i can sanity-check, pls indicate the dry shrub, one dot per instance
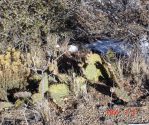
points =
(33, 20)
(132, 75)
(91, 20)
(112, 19)
(13, 72)
(36, 28)
(36, 59)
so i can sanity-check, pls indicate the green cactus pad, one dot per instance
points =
(58, 92)
(92, 73)
(79, 85)
(19, 103)
(37, 97)
(93, 58)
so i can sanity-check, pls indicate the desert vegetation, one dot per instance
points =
(42, 82)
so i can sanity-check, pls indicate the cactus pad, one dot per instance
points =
(80, 85)
(58, 92)
(93, 58)
(92, 73)
(37, 97)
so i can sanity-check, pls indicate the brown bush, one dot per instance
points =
(113, 19)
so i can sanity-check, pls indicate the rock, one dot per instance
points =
(73, 48)
(103, 46)
(121, 48)
(24, 94)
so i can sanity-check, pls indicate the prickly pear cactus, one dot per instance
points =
(80, 86)
(96, 68)
(37, 97)
(93, 58)
(13, 71)
(91, 72)
(43, 87)
(58, 92)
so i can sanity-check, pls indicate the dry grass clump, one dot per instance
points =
(132, 75)
(36, 58)
(13, 71)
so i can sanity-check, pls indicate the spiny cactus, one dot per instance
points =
(92, 73)
(93, 58)
(95, 68)
(105, 70)
(42, 89)
(13, 71)
(58, 92)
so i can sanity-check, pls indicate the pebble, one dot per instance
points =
(73, 48)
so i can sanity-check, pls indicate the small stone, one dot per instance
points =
(57, 46)
(72, 48)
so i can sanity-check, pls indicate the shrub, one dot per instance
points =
(33, 21)
(13, 72)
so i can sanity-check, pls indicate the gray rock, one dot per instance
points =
(121, 48)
